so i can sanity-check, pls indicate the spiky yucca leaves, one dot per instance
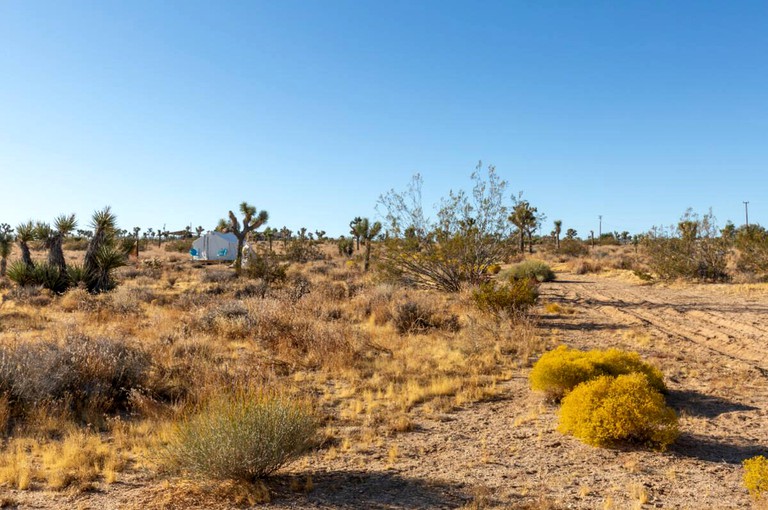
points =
(6, 243)
(53, 238)
(104, 223)
(103, 255)
(251, 221)
(25, 234)
(21, 274)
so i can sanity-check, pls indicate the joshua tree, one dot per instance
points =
(6, 243)
(251, 221)
(136, 231)
(269, 235)
(526, 220)
(320, 235)
(25, 234)
(53, 239)
(285, 234)
(558, 228)
(571, 233)
(354, 226)
(199, 231)
(367, 233)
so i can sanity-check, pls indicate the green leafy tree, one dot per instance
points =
(252, 219)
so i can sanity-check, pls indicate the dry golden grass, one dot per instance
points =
(329, 331)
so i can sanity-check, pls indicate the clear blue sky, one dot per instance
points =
(175, 111)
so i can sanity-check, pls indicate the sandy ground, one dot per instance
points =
(708, 340)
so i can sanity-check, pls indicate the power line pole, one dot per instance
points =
(600, 227)
(746, 212)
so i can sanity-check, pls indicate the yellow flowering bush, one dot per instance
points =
(559, 371)
(610, 410)
(756, 476)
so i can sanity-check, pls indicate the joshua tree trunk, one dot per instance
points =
(3, 266)
(26, 256)
(239, 259)
(522, 241)
(530, 242)
(56, 253)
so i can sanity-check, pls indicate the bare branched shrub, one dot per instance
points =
(81, 373)
(416, 316)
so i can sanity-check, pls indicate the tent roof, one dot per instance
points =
(228, 236)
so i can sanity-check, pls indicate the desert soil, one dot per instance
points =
(709, 340)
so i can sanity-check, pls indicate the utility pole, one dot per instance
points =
(600, 229)
(746, 212)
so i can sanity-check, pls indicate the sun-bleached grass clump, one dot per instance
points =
(559, 371)
(245, 436)
(611, 410)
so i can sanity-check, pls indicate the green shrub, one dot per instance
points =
(244, 436)
(607, 411)
(532, 269)
(756, 476)
(573, 248)
(559, 371)
(516, 296)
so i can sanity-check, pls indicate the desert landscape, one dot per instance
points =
(422, 398)
(393, 255)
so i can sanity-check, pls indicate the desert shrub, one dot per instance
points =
(230, 318)
(303, 250)
(756, 476)
(217, 276)
(469, 235)
(584, 266)
(80, 374)
(694, 250)
(752, 245)
(413, 317)
(179, 245)
(75, 243)
(573, 248)
(265, 267)
(532, 269)
(559, 371)
(258, 289)
(244, 436)
(494, 269)
(515, 296)
(29, 295)
(610, 410)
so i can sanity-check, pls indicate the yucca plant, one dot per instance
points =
(108, 258)
(6, 243)
(21, 274)
(25, 234)
(50, 277)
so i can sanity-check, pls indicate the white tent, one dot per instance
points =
(214, 246)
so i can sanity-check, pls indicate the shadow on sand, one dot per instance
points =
(370, 489)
